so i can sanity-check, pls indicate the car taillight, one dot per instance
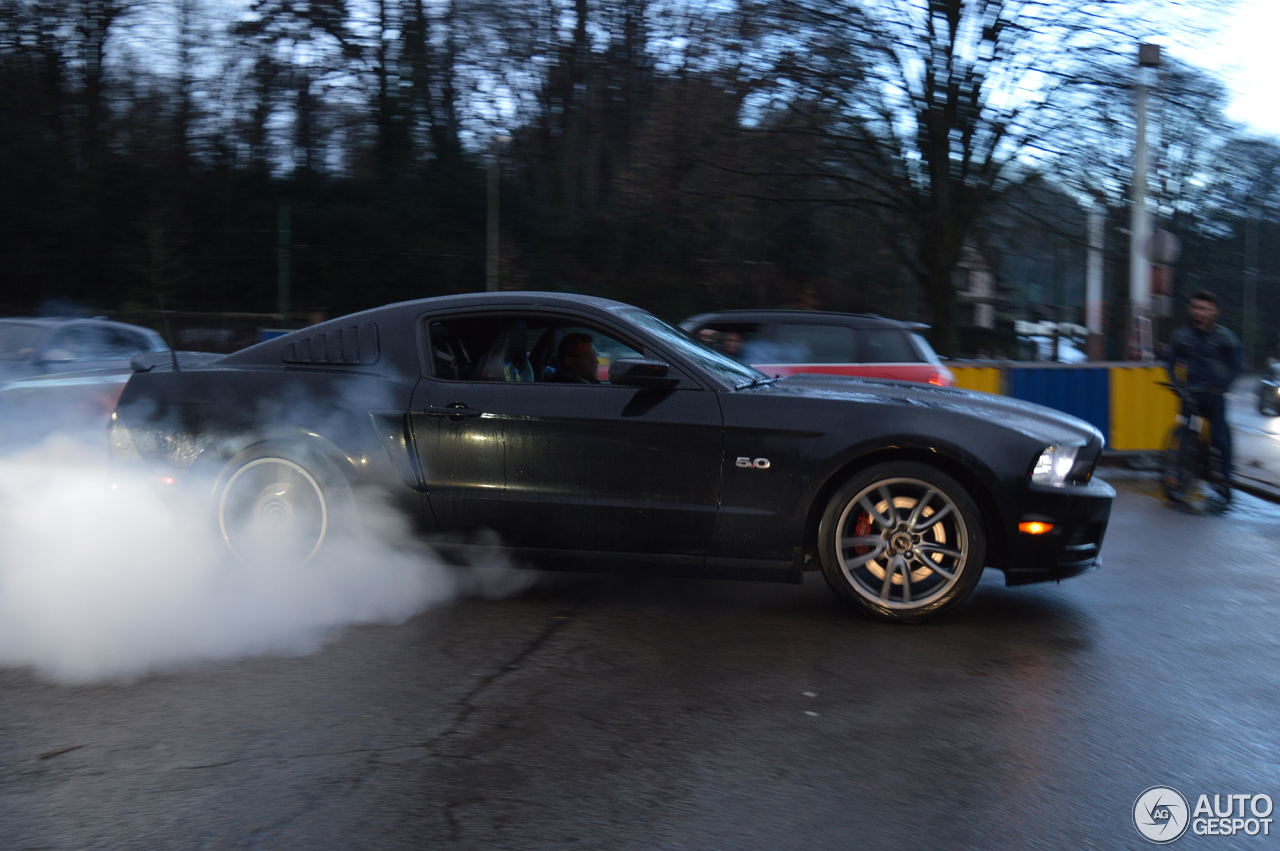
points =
(119, 441)
(941, 377)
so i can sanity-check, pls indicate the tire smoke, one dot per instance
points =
(104, 580)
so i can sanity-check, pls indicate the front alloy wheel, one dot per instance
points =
(902, 542)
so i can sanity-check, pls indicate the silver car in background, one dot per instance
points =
(64, 375)
(1269, 390)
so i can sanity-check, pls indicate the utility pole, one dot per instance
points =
(1096, 344)
(1139, 218)
(285, 242)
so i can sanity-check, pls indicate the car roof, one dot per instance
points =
(815, 317)
(56, 321)
(28, 320)
(462, 301)
(509, 297)
(51, 323)
(269, 351)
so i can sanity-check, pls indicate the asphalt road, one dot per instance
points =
(601, 712)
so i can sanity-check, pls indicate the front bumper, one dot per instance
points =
(1079, 515)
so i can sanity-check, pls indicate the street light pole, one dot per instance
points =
(1139, 218)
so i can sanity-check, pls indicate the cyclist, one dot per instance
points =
(1203, 359)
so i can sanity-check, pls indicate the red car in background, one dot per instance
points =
(789, 342)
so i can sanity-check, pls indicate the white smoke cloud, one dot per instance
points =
(101, 584)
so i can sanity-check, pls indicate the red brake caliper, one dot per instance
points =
(861, 529)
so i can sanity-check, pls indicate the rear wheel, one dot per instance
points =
(1181, 462)
(276, 508)
(902, 542)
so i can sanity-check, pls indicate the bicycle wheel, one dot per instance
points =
(1179, 462)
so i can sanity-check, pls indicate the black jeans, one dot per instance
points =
(1213, 407)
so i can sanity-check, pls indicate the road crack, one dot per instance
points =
(467, 707)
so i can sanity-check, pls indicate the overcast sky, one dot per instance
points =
(1247, 57)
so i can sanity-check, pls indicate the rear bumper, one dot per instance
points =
(1079, 516)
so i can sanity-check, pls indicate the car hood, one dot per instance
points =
(1036, 421)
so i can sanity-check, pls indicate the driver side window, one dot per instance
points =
(522, 349)
(578, 354)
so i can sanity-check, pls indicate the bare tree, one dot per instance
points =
(928, 109)
(297, 45)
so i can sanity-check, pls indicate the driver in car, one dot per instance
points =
(576, 360)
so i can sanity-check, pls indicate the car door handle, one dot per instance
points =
(457, 411)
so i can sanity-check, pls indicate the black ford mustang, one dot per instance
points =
(497, 412)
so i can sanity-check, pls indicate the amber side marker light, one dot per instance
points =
(1034, 527)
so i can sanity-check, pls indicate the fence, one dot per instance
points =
(1124, 400)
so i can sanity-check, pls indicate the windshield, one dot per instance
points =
(18, 339)
(926, 350)
(719, 364)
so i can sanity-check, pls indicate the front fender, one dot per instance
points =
(814, 444)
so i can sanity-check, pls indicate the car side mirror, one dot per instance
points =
(57, 356)
(642, 372)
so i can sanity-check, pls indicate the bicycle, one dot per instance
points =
(1189, 455)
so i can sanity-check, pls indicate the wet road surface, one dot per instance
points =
(602, 712)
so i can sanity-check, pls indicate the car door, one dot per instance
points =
(613, 468)
(593, 466)
(457, 432)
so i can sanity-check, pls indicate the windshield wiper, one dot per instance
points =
(758, 382)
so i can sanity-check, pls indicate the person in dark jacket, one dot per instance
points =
(576, 360)
(1203, 359)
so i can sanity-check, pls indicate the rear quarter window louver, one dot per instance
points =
(354, 345)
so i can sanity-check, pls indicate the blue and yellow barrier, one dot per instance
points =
(1124, 400)
(987, 379)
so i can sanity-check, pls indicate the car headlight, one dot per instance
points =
(1054, 465)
